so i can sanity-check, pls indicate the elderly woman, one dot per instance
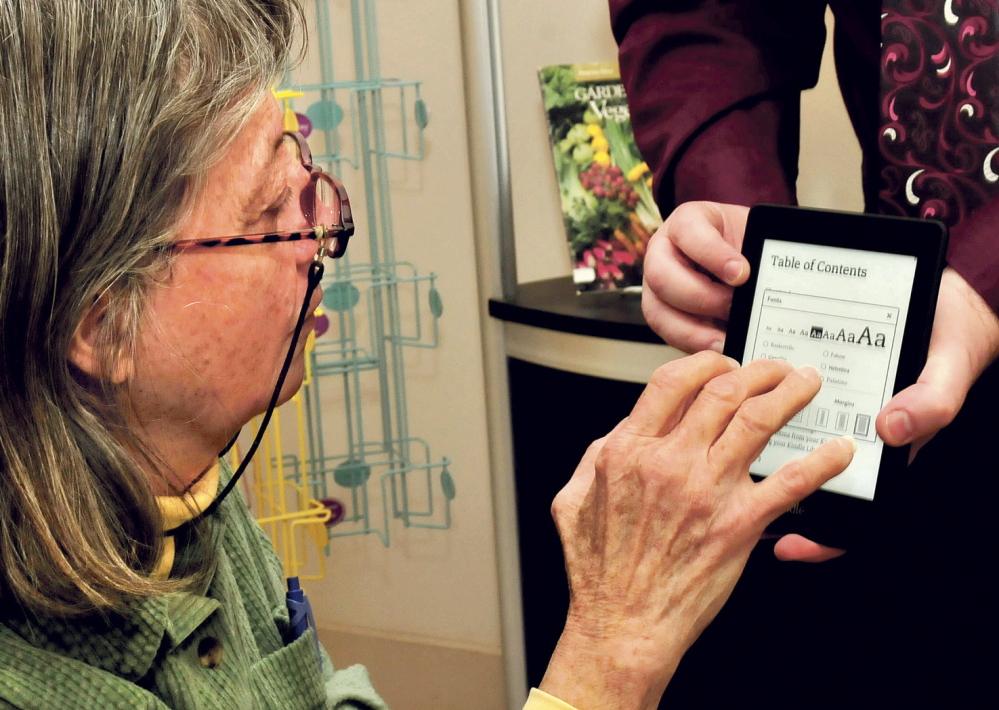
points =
(161, 239)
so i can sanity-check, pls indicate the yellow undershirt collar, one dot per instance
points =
(177, 510)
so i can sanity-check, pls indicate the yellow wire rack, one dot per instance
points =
(277, 488)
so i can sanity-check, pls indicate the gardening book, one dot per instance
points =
(604, 184)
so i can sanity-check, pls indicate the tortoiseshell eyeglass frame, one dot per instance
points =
(332, 236)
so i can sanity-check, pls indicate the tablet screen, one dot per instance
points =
(842, 311)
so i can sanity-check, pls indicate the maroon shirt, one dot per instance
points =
(714, 88)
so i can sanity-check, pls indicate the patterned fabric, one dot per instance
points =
(217, 651)
(940, 95)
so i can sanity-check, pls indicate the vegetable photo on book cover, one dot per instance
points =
(604, 184)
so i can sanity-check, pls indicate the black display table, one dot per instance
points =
(555, 305)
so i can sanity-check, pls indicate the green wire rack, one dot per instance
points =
(368, 468)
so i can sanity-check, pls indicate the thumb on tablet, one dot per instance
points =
(918, 412)
(795, 548)
(964, 341)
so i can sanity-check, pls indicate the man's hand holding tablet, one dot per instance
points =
(695, 259)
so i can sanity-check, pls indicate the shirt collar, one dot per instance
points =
(177, 510)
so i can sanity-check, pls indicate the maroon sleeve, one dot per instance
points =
(714, 89)
(974, 252)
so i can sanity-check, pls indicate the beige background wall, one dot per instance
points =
(429, 586)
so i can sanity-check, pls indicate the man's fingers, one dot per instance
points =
(719, 401)
(680, 299)
(795, 548)
(964, 341)
(710, 235)
(801, 477)
(671, 390)
(689, 333)
(676, 279)
(916, 412)
(929, 405)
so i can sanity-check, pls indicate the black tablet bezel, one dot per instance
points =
(826, 517)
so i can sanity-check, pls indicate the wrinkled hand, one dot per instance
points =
(693, 261)
(660, 517)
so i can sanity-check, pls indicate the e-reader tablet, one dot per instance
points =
(852, 295)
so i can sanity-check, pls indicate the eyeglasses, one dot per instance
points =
(325, 206)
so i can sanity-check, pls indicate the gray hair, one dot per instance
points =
(111, 112)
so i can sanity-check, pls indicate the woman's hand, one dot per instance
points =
(659, 519)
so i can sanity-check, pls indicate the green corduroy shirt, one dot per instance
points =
(223, 650)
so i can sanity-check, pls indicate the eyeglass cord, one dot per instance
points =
(315, 276)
